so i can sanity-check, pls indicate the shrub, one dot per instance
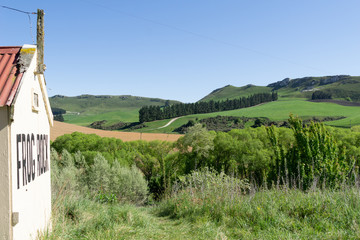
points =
(71, 174)
(206, 193)
(99, 175)
(64, 175)
(128, 185)
(315, 157)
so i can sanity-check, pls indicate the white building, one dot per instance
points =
(25, 120)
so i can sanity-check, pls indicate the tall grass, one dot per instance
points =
(266, 214)
(203, 205)
(85, 197)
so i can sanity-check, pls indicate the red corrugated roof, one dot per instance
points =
(9, 74)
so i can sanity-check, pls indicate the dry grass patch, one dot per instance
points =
(61, 128)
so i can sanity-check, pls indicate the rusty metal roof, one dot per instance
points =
(10, 76)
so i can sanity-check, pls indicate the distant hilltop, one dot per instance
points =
(342, 87)
(308, 81)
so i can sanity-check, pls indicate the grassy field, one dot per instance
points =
(105, 103)
(122, 114)
(86, 109)
(276, 111)
(267, 214)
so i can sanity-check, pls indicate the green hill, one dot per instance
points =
(231, 92)
(85, 109)
(341, 87)
(293, 96)
(275, 111)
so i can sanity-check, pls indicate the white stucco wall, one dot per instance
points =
(30, 154)
(5, 179)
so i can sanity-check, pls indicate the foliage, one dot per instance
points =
(105, 197)
(301, 156)
(197, 144)
(210, 193)
(201, 183)
(314, 158)
(59, 118)
(225, 123)
(100, 180)
(90, 144)
(58, 111)
(116, 126)
(243, 153)
(78, 215)
(129, 185)
(155, 159)
(58, 114)
(64, 174)
(184, 128)
(320, 95)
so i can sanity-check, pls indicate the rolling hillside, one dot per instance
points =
(231, 92)
(85, 109)
(275, 111)
(339, 87)
(293, 95)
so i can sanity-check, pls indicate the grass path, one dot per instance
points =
(144, 223)
(171, 229)
(97, 221)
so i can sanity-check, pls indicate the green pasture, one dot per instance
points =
(85, 119)
(277, 111)
(86, 109)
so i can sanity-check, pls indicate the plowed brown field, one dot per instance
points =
(61, 128)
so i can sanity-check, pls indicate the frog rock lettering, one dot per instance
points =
(32, 157)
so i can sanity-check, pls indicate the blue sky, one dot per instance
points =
(183, 50)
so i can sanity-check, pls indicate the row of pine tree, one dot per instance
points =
(152, 113)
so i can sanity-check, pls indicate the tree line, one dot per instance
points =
(58, 114)
(320, 95)
(152, 113)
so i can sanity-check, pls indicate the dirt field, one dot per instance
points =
(61, 128)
